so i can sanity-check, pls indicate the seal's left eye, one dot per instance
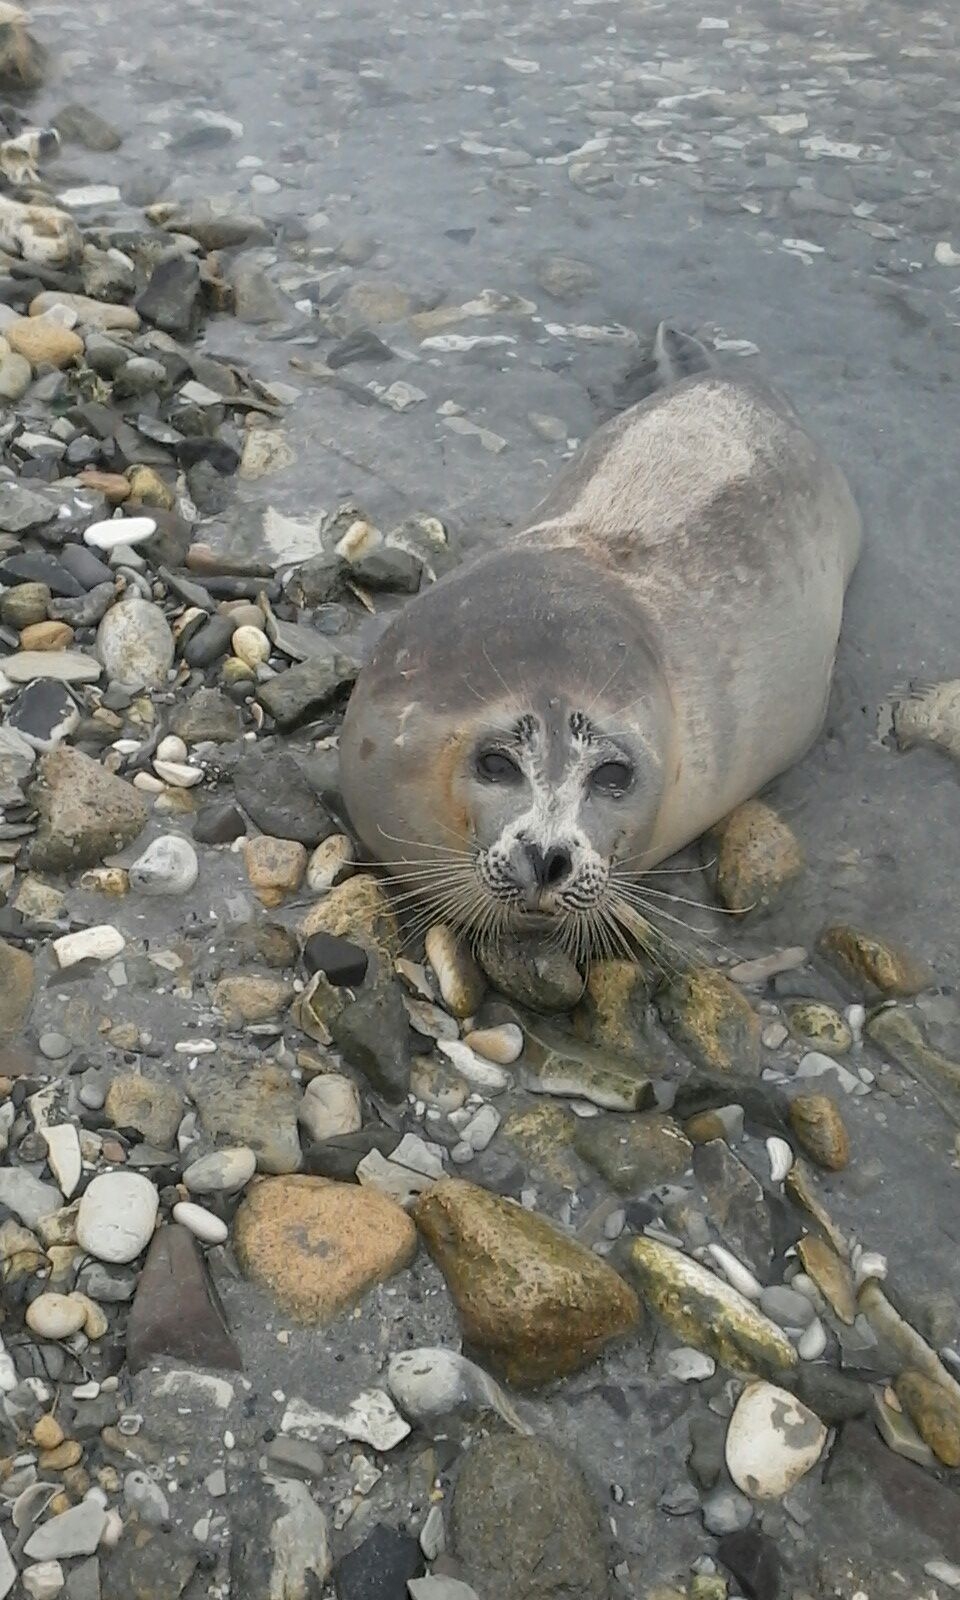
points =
(613, 777)
(495, 767)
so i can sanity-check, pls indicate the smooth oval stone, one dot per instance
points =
(201, 1223)
(55, 1316)
(117, 1216)
(119, 531)
(167, 866)
(222, 1172)
(135, 644)
(772, 1442)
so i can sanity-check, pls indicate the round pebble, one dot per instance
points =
(135, 644)
(55, 1316)
(172, 748)
(222, 1172)
(772, 1442)
(167, 866)
(176, 773)
(117, 1216)
(201, 1223)
(251, 646)
(54, 1046)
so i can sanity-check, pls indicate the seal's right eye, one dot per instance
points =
(495, 767)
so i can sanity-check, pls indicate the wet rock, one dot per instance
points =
(709, 1018)
(44, 713)
(343, 963)
(117, 1216)
(281, 1550)
(85, 813)
(155, 1564)
(704, 1311)
(208, 716)
(318, 1246)
(274, 793)
(219, 823)
(831, 1275)
(820, 1131)
(176, 1311)
(935, 1413)
(257, 1108)
(369, 1028)
(634, 1153)
(80, 125)
(305, 691)
(380, 1567)
(23, 60)
(758, 858)
(524, 1524)
(613, 1011)
(873, 963)
(171, 300)
(819, 1027)
(753, 1559)
(168, 866)
(537, 1304)
(533, 974)
(772, 1442)
(153, 1108)
(135, 644)
(736, 1204)
(564, 277)
(16, 990)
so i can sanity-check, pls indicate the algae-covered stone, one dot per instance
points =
(634, 1153)
(613, 1012)
(582, 1073)
(831, 1275)
(532, 973)
(536, 1304)
(358, 909)
(935, 1413)
(874, 963)
(153, 1108)
(820, 1130)
(544, 1134)
(757, 860)
(704, 1311)
(708, 1017)
(898, 1036)
(819, 1027)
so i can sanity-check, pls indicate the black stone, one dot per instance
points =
(360, 346)
(320, 579)
(209, 490)
(380, 1568)
(763, 1104)
(219, 824)
(638, 1213)
(834, 1396)
(276, 796)
(754, 1560)
(304, 692)
(339, 1158)
(210, 642)
(389, 568)
(220, 455)
(171, 300)
(344, 964)
(43, 710)
(232, 587)
(38, 567)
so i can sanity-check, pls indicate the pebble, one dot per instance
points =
(168, 866)
(275, 867)
(330, 1107)
(201, 1223)
(55, 1316)
(461, 982)
(129, 531)
(135, 644)
(66, 666)
(223, 1172)
(101, 943)
(43, 1581)
(64, 1155)
(820, 1131)
(43, 341)
(690, 1366)
(329, 863)
(343, 963)
(430, 1385)
(251, 646)
(178, 774)
(504, 1045)
(76, 1532)
(772, 1442)
(117, 1216)
(726, 1511)
(26, 1196)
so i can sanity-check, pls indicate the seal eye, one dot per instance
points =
(612, 778)
(494, 767)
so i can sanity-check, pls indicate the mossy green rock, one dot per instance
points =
(708, 1017)
(634, 1153)
(873, 963)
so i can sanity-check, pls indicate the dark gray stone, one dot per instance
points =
(307, 690)
(171, 300)
(177, 1312)
(380, 1568)
(276, 796)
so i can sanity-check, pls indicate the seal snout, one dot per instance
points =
(540, 871)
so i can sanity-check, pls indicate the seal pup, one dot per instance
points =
(551, 720)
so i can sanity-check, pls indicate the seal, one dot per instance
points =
(548, 722)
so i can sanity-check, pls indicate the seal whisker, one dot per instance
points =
(420, 844)
(643, 905)
(681, 900)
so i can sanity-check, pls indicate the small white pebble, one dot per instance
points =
(172, 748)
(201, 1222)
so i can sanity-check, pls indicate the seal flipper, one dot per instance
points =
(671, 356)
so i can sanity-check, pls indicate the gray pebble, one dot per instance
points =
(726, 1511)
(54, 1046)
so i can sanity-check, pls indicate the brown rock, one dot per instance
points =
(86, 813)
(706, 1125)
(46, 636)
(758, 858)
(176, 1311)
(935, 1413)
(357, 909)
(275, 867)
(147, 488)
(254, 1106)
(820, 1130)
(63, 1456)
(708, 1017)
(800, 1187)
(819, 1027)
(47, 1433)
(250, 997)
(874, 964)
(44, 342)
(538, 1305)
(154, 1109)
(23, 604)
(831, 1275)
(16, 989)
(318, 1246)
(112, 485)
(613, 1011)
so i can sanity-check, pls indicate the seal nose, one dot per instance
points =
(550, 867)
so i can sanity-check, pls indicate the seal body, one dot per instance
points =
(649, 651)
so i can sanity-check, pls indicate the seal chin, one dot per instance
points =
(525, 921)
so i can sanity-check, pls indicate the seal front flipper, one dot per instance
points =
(678, 355)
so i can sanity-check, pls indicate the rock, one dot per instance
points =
(758, 858)
(935, 1413)
(787, 1307)
(153, 1107)
(101, 943)
(536, 1303)
(222, 1172)
(820, 1130)
(117, 1215)
(274, 793)
(358, 909)
(872, 963)
(318, 1246)
(370, 1418)
(257, 1108)
(23, 61)
(16, 375)
(280, 1548)
(440, 1588)
(168, 866)
(564, 277)
(25, 604)
(705, 1311)
(66, 666)
(275, 867)
(55, 1316)
(772, 1441)
(176, 1311)
(250, 997)
(339, 1158)
(736, 1204)
(64, 1155)
(157, 1564)
(380, 1567)
(533, 974)
(710, 1019)
(46, 636)
(524, 1524)
(305, 691)
(200, 1222)
(388, 567)
(126, 531)
(135, 644)
(430, 1386)
(26, 1196)
(171, 300)
(43, 341)
(819, 1027)
(897, 1035)
(634, 1153)
(16, 990)
(85, 812)
(461, 983)
(369, 1028)
(332, 861)
(330, 1107)
(79, 124)
(831, 1275)
(43, 1581)
(207, 716)
(76, 1532)
(726, 1511)
(753, 1559)
(147, 488)
(219, 823)
(343, 963)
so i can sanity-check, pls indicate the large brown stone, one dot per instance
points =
(935, 1412)
(537, 1305)
(820, 1130)
(317, 1246)
(86, 812)
(708, 1017)
(757, 860)
(255, 1106)
(873, 963)
(16, 990)
(176, 1311)
(357, 909)
(154, 1109)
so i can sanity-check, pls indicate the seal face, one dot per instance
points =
(550, 721)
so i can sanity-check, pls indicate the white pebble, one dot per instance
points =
(43, 1580)
(148, 782)
(117, 1216)
(168, 866)
(329, 862)
(689, 1365)
(869, 1264)
(101, 943)
(251, 646)
(64, 1156)
(172, 748)
(119, 531)
(330, 1107)
(780, 1157)
(503, 1045)
(201, 1222)
(735, 1272)
(943, 1572)
(482, 1074)
(55, 1316)
(812, 1342)
(773, 1440)
(480, 1129)
(178, 774)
